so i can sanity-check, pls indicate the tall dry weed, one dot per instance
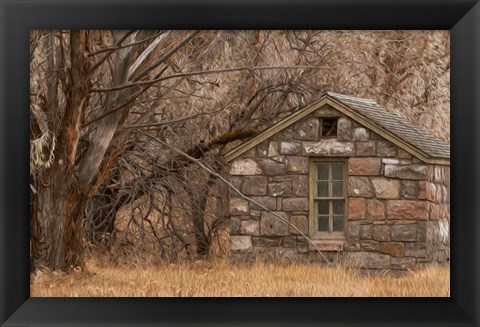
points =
(221, 279)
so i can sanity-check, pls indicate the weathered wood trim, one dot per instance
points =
(344, 109)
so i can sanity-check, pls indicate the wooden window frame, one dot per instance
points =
(312, 211)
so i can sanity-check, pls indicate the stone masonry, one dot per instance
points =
(398, 207)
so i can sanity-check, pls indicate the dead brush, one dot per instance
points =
(220, 278)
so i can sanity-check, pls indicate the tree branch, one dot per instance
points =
(210, 171)
(203, 72)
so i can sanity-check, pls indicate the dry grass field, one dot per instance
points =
(206, 279)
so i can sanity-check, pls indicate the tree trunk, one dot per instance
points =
(56, 224)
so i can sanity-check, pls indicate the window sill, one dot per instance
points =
(327, 245)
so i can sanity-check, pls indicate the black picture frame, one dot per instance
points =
(461, 17)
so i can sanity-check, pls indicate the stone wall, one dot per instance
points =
(398, 206)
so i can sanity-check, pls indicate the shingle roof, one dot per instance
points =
(401, 127)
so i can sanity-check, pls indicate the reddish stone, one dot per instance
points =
(356, 208)
(238, 207)
(434, 211)
(364, 166)
(426, 191)
(386, 188)
(406, 209)
(297, 164)
(365, 149)
(395, 249)
(375, 209)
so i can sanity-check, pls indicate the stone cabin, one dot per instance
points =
(364, 184)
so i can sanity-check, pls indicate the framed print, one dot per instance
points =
(212, 150)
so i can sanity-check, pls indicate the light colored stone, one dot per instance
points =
(394, 161)
(356, 208)
(375, 209)
(273, 149)
(395, 249)
(386, 188)
(344, 129)
(271, 225)
(329, 148)
(238, 207)
(414, 171)
(307, 130)
(245, 167)
(254, 185)
(240, 243)
(406, 233)
(365, 149)
(299, 221)
(407, 209)
(297, 164)
(295, 204)
(364, 166)
(267, 201)
(249, 227)
(361, 134)
(326, 245)
(290, 148)
(280, 189)
(360, 187)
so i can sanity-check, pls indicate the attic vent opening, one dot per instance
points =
(329, 127)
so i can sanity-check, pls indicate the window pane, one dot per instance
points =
(337, 171)
(338, 222)
(337, 189)
(323, 207)
(322, 189)
(323, 224)
(338, 207)
(322, 172)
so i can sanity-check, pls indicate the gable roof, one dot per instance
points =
(370, 114)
